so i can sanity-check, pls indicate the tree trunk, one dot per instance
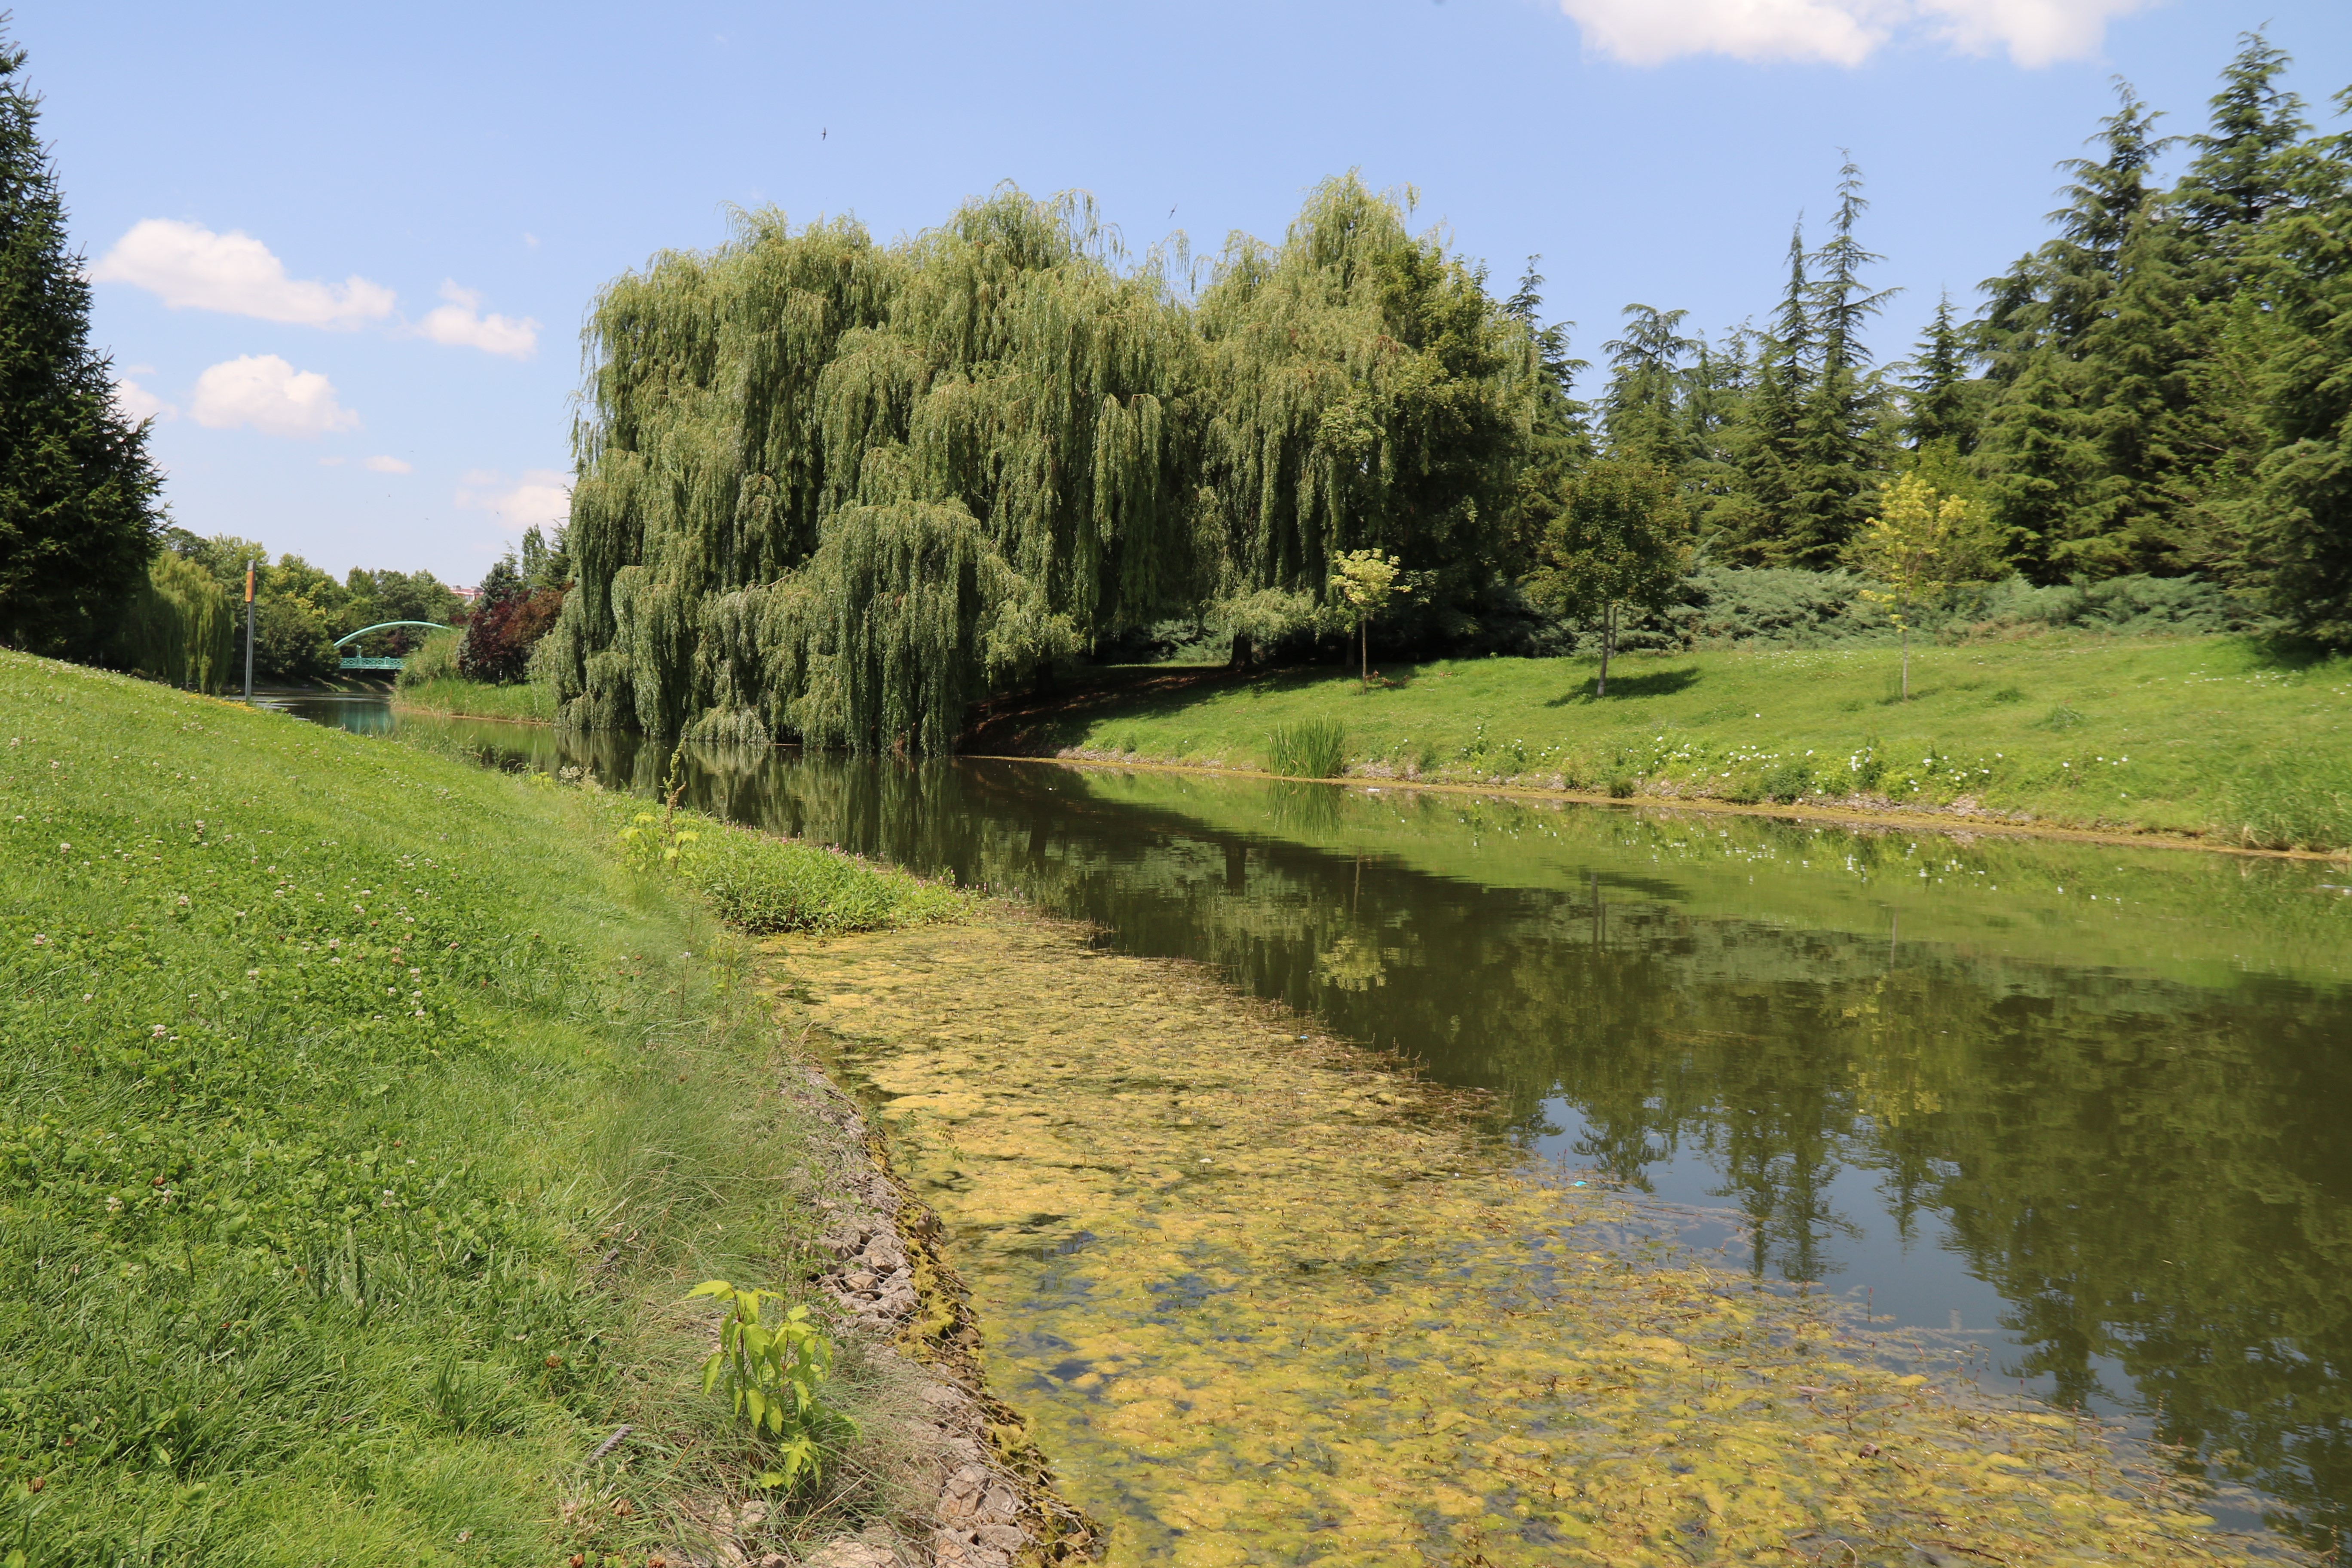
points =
(1364, 630)
(1607, 646)
(1907, 663)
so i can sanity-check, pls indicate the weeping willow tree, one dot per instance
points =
(840, 491)
(1369, 393)
(178, 626)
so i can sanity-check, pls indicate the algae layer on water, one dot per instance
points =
(1266, 1299)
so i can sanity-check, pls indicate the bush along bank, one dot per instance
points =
(2221, 738)
(364, 1119)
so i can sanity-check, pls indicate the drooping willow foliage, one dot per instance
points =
(838, 489)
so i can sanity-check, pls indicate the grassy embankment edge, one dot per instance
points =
(1990, 740)
(294, 1280)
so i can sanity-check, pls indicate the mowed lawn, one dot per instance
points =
(2211, 736)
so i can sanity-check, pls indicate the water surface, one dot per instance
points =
(2083, 1107)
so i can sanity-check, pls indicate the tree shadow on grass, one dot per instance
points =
(1651, 683)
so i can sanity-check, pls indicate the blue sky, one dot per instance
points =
(345, 252)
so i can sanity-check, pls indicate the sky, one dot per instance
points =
(343, 254)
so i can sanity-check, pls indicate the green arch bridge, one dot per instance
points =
(351, 663)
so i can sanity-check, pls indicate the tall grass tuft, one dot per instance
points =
(1310, 749)
(2289, 805)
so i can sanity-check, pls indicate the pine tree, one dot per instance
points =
(1642, 411)
(1939, 404)
(2306, 542)
(2044, 444)
(79, 518)
(1842, 419)
(2238, 177)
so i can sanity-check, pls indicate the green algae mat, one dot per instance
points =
(1267, 1299)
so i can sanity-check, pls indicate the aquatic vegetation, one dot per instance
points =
(1269, 1299)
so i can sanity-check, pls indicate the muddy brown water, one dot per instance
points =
(2078, 1112)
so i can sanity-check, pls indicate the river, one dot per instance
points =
(2082, 1113)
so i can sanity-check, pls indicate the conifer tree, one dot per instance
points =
(2305, 482)
(79, 517)
(1938, 403)
(2239, 176)
(1842, 420)
(1643, 411)
(1770, 449)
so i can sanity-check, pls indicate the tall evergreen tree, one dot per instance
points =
(1642, 411)
(1842, 419)
(78, 519)
(2044, 447)
(1938, 403)
(2238, 177)
(2306, 542)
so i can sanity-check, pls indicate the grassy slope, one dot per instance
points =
(362, 1121)
(2206, 735)
(478, 699)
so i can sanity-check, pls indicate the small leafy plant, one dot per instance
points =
(651, 840)
(774, 1374)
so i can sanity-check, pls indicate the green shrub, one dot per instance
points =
(1785, 782)
(436, 659)
(1311, 749)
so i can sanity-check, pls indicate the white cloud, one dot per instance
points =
(542, 497)
(185, 265)
(269, 394)
(458, 323)
(2034, 32)
(389, 466)
(1841, 32)
(137, 402)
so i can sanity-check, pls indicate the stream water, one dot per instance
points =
(2081, 1112)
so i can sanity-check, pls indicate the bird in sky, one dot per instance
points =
(821, 134)
(1172, 211)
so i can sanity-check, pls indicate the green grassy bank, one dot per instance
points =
(364, 1117)
(2211, 736)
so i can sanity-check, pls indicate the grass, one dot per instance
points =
(525, 700)
(2211, 736)
(1310, 748)
(364, 1117)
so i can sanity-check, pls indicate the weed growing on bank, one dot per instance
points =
(362, 1117)
(2219, 736)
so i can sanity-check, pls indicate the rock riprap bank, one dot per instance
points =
(1265, 1297)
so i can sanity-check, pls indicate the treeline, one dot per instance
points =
(2161, 389)
(839, 489)
(186, 624)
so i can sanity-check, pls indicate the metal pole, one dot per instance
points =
(248, 633)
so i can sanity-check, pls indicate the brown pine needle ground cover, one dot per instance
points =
(1269, 1299)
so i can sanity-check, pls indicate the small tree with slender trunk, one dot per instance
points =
(1619, 540)
(1918, 545)
(1365, 584)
